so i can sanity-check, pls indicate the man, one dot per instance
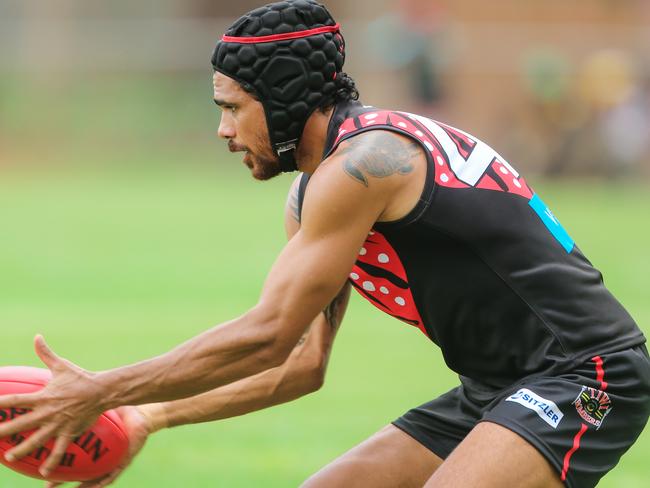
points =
(433, 227)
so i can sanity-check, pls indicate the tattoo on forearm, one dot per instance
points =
(379, 156)
(303, 338)
(333, 312)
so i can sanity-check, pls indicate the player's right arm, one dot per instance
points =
(302, 373)
(344, 201)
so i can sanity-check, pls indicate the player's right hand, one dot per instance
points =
(138, 430)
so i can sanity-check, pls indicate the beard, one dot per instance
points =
(263, 167)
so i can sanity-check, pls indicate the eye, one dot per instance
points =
(230, 108)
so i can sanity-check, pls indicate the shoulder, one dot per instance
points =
(376, 167)
(360, 178)
(378, 154)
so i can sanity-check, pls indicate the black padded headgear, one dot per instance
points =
(289, 53)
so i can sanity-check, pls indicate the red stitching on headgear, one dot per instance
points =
(282, 37)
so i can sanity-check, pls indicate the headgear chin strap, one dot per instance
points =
(287, 155)
(288, 54)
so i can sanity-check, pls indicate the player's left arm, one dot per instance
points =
(337, 215)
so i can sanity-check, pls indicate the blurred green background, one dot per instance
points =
(127, 228)
(114, 266)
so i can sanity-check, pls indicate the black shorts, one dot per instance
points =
(582, 421)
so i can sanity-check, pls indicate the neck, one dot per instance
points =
(312, 143)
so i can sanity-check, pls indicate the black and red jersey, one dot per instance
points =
(481, 266)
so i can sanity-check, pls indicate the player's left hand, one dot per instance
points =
(138, 430)
(64, 409)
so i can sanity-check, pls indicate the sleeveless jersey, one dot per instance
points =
(480, 265)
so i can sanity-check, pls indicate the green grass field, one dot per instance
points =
(116, 265)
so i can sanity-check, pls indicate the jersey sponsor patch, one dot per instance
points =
(551, 223)
(546, 409)
(593, 406)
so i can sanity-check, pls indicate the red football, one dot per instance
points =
(95, 453)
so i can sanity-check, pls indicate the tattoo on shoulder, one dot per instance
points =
(293, 202)
(379, 156)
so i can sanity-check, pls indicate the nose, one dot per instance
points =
(226, 126)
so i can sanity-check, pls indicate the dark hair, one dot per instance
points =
(346, 90)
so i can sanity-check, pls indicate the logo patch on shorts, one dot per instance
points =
(593, 406)
(546, 409)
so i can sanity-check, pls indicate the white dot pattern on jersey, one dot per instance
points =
(368, 286)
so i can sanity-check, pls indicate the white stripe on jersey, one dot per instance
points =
(471, 170)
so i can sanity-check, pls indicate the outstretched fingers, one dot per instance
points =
(26, 422)
(43, 351)
(54, 459)
(20, 400)
(36, 440)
